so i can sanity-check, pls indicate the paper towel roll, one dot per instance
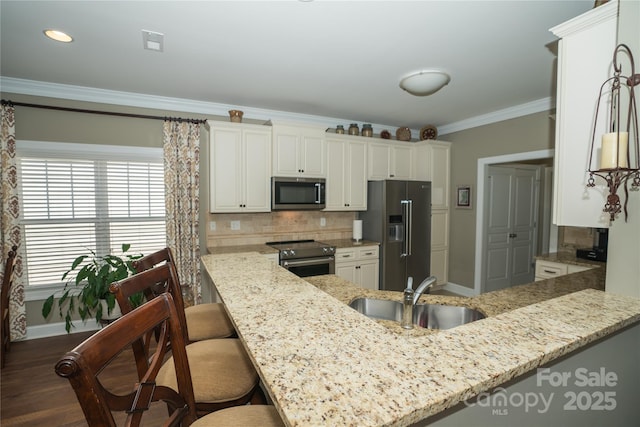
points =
(357, 230)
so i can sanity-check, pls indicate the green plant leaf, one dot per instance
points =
(47, 306)
(93, 275)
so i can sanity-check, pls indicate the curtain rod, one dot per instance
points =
(106, 113)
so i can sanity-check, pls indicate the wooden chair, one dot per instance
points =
(204, 321)
(83, 365)
(224, 377)
(5, 327)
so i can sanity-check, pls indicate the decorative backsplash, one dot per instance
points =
(259, 228)
(572, 238)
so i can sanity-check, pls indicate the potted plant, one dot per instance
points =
(89, 288)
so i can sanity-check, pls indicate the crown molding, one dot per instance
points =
(138, 100)
(545, 104)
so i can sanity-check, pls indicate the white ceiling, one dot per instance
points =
(322, 58)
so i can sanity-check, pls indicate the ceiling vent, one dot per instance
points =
(152, 40)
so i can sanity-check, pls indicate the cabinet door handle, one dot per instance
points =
(512, 235)
(550, 271)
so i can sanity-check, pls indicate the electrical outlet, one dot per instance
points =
(323, 222)
(212, 226)
(235, 225)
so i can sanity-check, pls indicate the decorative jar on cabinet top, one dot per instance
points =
(353, 129)
(367, 130)
(235, 116)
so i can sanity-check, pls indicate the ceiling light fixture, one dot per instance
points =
(58, 36)
(425, 82)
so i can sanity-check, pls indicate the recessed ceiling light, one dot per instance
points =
(58, 36)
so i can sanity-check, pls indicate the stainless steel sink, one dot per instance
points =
(432, 316)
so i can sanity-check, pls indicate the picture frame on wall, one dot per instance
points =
(463, 200)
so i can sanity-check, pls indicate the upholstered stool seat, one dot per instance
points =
(203, 321)
(206, 321)
(221, 371)
(245, 416)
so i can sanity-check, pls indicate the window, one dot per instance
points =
(85, 196)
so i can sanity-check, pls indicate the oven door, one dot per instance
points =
(310, 266)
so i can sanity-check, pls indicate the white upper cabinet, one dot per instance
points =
(584, 62)
(240, 168)
(346, 173)
(299, 151)
(432, 164)
(391, 160)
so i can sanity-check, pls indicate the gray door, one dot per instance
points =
(511, 206)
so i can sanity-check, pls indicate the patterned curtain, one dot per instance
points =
(182, 200)
(10, 234)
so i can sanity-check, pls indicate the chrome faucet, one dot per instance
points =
(424, 288)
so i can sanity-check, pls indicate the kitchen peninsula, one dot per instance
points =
(324, 364)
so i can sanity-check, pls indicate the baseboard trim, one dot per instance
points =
(459, 289)
(56, 329)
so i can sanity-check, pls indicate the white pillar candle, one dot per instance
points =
(614, 152)
(357, 230)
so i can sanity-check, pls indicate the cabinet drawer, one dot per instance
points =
(345, 255)
(546, 269)
(369, 252)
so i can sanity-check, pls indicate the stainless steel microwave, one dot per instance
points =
(297, 193)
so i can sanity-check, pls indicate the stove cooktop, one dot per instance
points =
(302, 249)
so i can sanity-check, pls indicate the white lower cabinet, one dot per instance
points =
(359, 265)
(550, 269)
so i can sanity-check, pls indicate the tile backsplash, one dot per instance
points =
(572, 238)
(257, 228)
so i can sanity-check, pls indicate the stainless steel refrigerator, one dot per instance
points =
(399, 217)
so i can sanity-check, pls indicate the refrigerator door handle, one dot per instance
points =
(407, 211)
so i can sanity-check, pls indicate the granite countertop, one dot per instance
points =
(261, 248)
(264, 249)
(570, 258)
(349, 243)
(316, 356)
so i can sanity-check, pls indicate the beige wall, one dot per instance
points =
(529, 133)
(60, 126)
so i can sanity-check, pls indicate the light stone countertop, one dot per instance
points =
(324, 364)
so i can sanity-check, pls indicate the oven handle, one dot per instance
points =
(311, 261)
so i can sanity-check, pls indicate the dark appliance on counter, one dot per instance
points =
(293, 194)
(599, 250)
(399, 217)
(306, 257)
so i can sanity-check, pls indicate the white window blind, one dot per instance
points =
(76, 197)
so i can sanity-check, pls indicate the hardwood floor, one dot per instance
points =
(33, 395)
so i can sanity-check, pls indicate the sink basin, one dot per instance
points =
(432, 316)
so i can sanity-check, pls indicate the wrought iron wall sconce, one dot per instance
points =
(620, 150)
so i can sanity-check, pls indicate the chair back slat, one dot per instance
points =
(7, 277)
(5, 293)
(82, 366)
